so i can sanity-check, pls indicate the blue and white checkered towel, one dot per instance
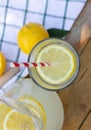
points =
(50, 13)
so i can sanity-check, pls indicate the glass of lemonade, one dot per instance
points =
(24, 91)
(63, 63)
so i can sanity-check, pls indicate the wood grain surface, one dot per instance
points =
(9, 74)
(76, 99)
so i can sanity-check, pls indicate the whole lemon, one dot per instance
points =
(2, 63)
(29, 35)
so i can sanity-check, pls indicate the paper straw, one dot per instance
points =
(30, 64)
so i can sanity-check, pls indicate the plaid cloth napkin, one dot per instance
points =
(50, 13)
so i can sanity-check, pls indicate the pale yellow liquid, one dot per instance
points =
(36, 108)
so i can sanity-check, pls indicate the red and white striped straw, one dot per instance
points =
(30, 64)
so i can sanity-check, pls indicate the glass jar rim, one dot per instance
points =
(59, 86)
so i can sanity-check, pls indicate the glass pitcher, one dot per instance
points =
(21, 95)
(59, 54)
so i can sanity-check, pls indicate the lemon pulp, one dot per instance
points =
(4, 109)
(18, 121)
(13, 120)
(62, 63)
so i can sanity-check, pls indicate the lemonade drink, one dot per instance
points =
(63, 64)
(11, 119)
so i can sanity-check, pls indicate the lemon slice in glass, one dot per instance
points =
(62, 63)
(4, 109)
(36, 107)
(18, 121)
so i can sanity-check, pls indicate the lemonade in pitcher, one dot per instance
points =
(63, 63)
(11, 119)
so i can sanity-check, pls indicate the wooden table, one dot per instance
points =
(76, 99)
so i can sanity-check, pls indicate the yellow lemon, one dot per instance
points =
(2, 63)
(62, 60)
(29, 35)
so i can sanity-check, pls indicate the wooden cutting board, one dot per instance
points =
(76, 99)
